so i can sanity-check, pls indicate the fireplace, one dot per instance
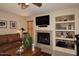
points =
(43, 38)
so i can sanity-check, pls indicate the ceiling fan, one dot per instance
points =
(25, 5)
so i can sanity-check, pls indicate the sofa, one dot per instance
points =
(9, 41)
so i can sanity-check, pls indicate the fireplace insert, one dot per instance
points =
(43, 38)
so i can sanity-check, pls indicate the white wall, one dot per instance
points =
(52, 25)
(11, 17)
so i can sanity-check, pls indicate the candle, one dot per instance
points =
(33, 48)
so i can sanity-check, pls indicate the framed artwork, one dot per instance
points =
(3, 24)
(13, 24)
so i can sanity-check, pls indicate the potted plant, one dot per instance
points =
(27, 40)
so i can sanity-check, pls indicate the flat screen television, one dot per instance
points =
(42, 20)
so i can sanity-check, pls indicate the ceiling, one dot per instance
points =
(32, 9)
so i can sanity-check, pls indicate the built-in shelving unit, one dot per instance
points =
(65, 32)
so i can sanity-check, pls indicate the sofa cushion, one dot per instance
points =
(13, 37)
(17, 44)
(3, 39)
(6, 47)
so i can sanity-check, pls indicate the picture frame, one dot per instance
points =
(13, 25)
(3, 24)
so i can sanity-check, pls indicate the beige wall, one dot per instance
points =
(11, 17)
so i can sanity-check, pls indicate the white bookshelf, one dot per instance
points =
(65, 31)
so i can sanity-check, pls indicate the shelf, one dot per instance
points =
(64, 48)
(65, 30)
(65, 21)
(70, 51)
(72, 39)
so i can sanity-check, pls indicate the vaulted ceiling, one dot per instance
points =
(32, 9)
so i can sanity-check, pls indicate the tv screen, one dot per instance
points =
(42, 20)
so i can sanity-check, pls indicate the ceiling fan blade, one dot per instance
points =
(38, 4)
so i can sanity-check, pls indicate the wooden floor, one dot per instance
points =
(45, 54)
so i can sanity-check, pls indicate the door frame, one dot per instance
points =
(27, 24)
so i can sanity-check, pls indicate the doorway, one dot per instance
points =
(30, 28)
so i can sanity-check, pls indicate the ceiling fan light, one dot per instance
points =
(26, 3)
(23, 7)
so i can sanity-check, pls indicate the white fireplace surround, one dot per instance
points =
(44, 47)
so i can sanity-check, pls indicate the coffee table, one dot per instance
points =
(28, 52)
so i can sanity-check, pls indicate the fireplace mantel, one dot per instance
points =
(43, 30)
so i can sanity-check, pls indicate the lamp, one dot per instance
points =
(22, 29)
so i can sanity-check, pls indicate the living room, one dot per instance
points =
(61, 25)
